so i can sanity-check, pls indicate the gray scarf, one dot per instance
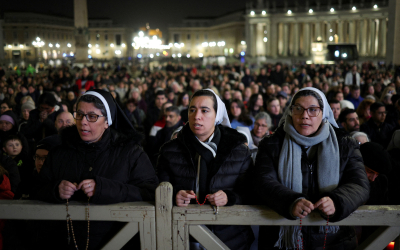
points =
(290, 175)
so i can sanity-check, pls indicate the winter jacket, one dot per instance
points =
(120, 168)
(382, 134)
(352, 192)
(229, 172)
(5, 194)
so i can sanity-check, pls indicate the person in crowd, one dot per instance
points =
(5, 194)
(256, 104)
(364, 111)
(160, 123)
(353, 77)
(335, 107)
(361, 137)
(377, 129)
(41, 120)
(153, 113)
(25, 109)
(307, 165)
(71, 100)
(370, 91)
(238, 115)
(274, 111)
(141, 103)
(92, 164)
(247, 78)
(183, 105)
(84, 81)
(283, 99)
(208, 144)
(22, 93)
(277, 76)
(339, 96)
(349, 120)
(5, 106)
(134, 113)
(63, 120)
(261, 124)
(172, 122)
(354, 96)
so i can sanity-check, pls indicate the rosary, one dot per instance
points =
(69, 222)
(215, 208)
(326, 233)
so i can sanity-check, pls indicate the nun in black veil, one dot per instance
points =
(100, 159)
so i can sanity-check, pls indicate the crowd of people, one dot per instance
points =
(296, 138)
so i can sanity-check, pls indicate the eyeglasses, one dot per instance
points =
(38, 158)
(312, 111)
(260, 125)
(89, 117)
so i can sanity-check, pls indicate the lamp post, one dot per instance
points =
(38, 44)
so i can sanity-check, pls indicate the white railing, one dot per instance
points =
(165, 227)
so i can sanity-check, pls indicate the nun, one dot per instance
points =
(308, 165)
(100, 160)
(209, 162)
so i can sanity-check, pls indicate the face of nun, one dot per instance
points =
(202, 117)
(90, 131)
(305, 124)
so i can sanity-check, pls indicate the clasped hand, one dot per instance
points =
(304, 207)
(67, 189)
(218, 199)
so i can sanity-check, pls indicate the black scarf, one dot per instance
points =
(206, 158)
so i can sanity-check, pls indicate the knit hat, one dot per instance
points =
(376, 157)
(28, 105)
(49, 143)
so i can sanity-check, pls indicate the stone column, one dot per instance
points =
(296, 39)
(273, 37)
(2, 54)
(352, 31)
(340, 31)
(393, 36)
(285, 39)
(364, 40)
(81, 31)
(317, 31)
(250, 38)
(260, 48)
(306, 39)
(280, 39)
(268, 35)
(382, 37)
(372, 33)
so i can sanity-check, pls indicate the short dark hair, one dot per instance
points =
(375, 106)
(309, 93)
(333, 101)
(11, 138)
(174, 109)
(161, 92)
(208, 93)
(47, 98)
(355, 87)
(344, 113)
(95, 100)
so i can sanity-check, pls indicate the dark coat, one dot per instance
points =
(352, 192)
(382, 134)
(120, 168)
(229, 172)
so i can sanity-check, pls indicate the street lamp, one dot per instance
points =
(38, 44)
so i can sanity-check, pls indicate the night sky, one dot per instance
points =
(158, 13)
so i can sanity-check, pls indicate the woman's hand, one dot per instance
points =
(218, 199)
(302, 208)
(183, 197)
(88, 187)
(67, 189)
(326, 206)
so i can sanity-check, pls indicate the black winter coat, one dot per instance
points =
(120, 168)
(382, 134)
(352, 191)
(229, 172)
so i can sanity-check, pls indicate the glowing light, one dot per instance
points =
(141, 34)
(57, 45)
(71, 53)
(188, 55)
(50, 45)
(157, 54)
(354, 8)
(89, 56)
(182, 45)
(21, 46)
(221, 43)
(89, 51)
(69, 45)
(10, 46)
(331, 38)
(112, 45)
(310, 11)
(98, 51)
(89, 45)
(139, 56)
(151, 56)
(179, 55)
(123, 45)
(289, 12)
(205, 44)
(344, 55)
(242, 53)
(330, 30)
(252, 13)
(38, 39)
(263, 12)
(243, 43)
(337, 53)
(375, 6)
(332, 10)
(212, 44)
(265, 39)
(173, 55)
(118, 52)
(97, 45)
(200, 54)
(231, 50)
(64, 54)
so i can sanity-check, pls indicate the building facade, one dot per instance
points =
(31, 36)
